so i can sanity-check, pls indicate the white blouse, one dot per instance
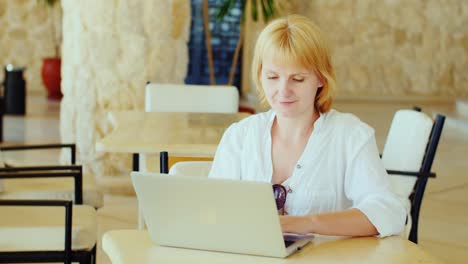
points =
(339, 169)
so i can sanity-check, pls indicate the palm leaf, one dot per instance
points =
(254, 10)
(268, 9)
(224, 9)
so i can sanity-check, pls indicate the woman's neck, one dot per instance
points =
(294, 129)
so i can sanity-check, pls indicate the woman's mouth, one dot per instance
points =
(286, 103)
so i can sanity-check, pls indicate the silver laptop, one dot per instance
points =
(213, 214)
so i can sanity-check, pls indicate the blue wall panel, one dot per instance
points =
(224, 37)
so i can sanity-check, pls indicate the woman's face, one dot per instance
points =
(290, 90)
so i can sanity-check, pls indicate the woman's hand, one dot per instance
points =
(296, 224)
(350, 222)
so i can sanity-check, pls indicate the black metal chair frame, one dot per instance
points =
(424, 173)
(72, 148)
(75, 171)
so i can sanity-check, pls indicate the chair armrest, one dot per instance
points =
(72, 148)
(48, 172)
(68, 218)
(41, 168)
(411, 173)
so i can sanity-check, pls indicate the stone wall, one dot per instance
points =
(110, 50)
(391, 48)
(26, 37)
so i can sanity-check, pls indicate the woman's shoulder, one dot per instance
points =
(347, 123)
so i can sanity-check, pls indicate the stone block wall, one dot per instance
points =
(391, 48)
(26, 38)
(110, 50)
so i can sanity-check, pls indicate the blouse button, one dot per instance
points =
(298, 166)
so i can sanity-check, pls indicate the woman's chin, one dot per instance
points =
(286, 112)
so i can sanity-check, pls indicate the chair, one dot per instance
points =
(408, 156)
(38, 187)
(191, 98)
(33, 230)
(192, 168)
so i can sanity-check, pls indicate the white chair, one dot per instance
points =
(191, 168)
(35, 231)
(191, 98)
(408, 156)
(32, 226)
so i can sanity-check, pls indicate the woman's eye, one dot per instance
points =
(272, 77)
(298, 79)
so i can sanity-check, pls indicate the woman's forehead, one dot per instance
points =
(290, 66)
(285, 59)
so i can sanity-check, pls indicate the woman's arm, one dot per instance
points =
(350, 222)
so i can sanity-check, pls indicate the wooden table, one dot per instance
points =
(180, 134)
(135, 246)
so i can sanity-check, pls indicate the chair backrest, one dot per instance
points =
(405, 147)
(410, 148)
(191, 98)
(191, 168)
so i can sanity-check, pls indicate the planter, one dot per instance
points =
(51, 77)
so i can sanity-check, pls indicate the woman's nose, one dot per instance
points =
(284, 88)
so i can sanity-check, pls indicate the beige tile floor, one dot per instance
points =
(444, 216)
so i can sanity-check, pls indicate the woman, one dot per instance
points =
(327, 161)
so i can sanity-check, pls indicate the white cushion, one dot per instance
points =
(405, 146)
(191, 168)
(191, 98)
(43, 229)
(51, 189)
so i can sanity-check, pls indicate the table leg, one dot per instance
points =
(142, 168)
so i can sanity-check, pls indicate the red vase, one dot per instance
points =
(51, 77)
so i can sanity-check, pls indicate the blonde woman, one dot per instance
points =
(326, 161)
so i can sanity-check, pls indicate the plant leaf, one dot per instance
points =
(225, 8)
(243, 5)
(254, 10)
(264, 11)
(271, 8)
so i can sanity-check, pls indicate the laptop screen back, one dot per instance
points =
(210, 214)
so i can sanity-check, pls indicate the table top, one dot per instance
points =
(135, 246)
(181, 134)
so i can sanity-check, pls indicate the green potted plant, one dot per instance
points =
(51, 65)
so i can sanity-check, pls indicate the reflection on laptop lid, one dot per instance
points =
(212, 214)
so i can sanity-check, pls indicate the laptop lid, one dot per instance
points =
(210, 214)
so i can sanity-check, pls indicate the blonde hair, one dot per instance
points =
(296, 39)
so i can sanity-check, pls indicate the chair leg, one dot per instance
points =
(413, 236)
(94, 255)
(89, 257)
